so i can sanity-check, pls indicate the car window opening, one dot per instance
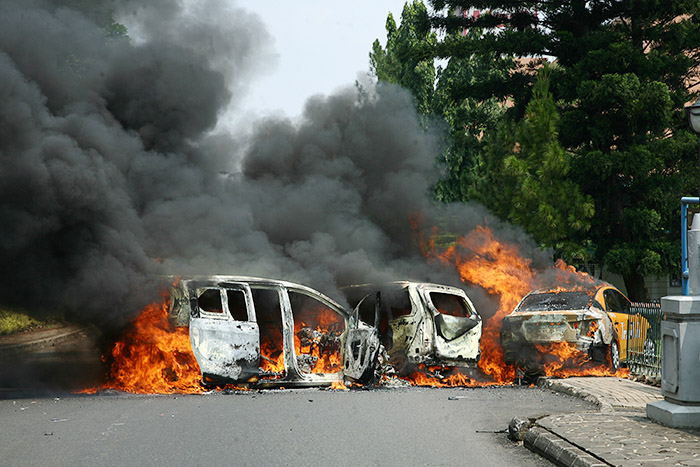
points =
(553, 301)
(449, 304)
(317, 334)
(399, 303)
(237, 305)
(455, 315)
(210, 301)
(269, 317)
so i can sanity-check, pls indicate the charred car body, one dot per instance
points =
(593, 320)
(271, 333)
(423, 323)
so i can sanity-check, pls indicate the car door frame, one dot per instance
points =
(227, 350)
(362, 344)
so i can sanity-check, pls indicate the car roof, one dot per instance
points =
(219, 280)
(402, 284)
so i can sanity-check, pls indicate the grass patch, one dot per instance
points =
(12, 321)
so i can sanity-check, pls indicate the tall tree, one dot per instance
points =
(468, 115)
(525, 176)
(408, 57)
(623, 74)
(445, 91)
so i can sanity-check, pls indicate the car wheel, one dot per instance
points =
(614, 356)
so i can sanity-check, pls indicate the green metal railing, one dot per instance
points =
(644, 339)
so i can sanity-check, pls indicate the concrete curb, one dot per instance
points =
(558, 450)
(561, 386)
(555, 448)
(39, 341)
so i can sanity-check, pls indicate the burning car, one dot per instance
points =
(591, 319)
(271, 333)
(423, 323)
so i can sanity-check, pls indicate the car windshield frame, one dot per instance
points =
(555, 301)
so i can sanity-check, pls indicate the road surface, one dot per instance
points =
(399, 426)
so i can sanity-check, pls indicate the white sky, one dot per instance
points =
(321, 45)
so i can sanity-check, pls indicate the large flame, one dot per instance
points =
(500, 269)
(153, 357)
(481, 259)
(562, 360)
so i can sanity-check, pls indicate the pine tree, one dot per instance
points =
(624, 69)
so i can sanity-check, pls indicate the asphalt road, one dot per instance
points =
(400, 426)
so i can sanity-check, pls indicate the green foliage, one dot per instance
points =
(527, 179)
(409, 60)
(408, 57)
(12, 321)
(115, 31)
(621, 80)
(469, 117)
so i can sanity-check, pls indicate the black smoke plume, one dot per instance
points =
(113, 172)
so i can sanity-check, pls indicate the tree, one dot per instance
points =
(408, 57)
(526, 179)
(469, 118)
(442, 92)
(622, 77)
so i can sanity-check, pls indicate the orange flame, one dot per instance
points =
(316, 335)
(152, 357)
(481, 259)
(500, 269)
(433, 377)
(562, 360)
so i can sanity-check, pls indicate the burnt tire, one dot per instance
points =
(614, 354)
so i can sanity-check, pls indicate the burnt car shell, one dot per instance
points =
(424, 323)
(583, 317)
(271, 333)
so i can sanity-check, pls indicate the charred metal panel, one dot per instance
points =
(361, 350)
(416, 337)
(450, 328)
(455, 338)
(179, 311)
(462, 351)
(293, 372)
(225, 350)
(541, 328)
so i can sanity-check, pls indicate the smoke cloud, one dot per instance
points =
(111, 172)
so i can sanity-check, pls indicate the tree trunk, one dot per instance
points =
(636, 287)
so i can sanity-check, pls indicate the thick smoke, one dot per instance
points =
(101, 142)
(110, 174)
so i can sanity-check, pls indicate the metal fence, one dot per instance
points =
(644, 339)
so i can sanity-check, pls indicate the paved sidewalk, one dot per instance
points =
(619, 434)
(608, 393)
